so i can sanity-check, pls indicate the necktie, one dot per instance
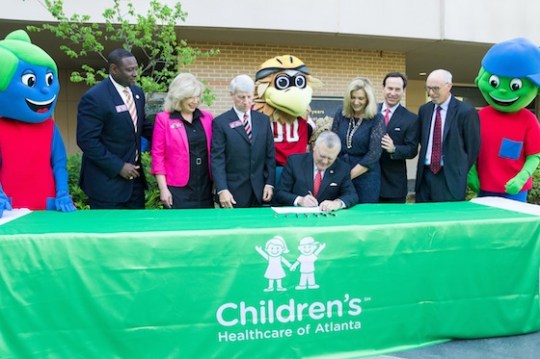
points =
(436, 148)
(317, 183)
(131, 107)
(247, 126)
(386, 116)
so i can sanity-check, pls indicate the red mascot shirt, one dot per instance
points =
(26, 173)
(506, 139)
(290, 138)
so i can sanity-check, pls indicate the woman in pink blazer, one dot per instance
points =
(181, 147)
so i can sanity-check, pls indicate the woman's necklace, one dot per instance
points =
(353, 126)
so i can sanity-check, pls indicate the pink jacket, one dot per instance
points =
(170, 148)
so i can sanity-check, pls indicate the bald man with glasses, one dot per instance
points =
(449, 142)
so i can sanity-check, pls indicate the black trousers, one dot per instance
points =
(135, 201)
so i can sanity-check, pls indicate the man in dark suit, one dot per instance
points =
(243, 153)
(400, 141)
(318, 178)
(445, 159)
(110, 122)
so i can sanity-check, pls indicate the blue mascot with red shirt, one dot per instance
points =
(33, 162)
(509, 80)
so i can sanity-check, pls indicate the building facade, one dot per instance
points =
(337, 40)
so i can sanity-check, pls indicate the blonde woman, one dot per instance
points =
(361, 129)
(181, 147)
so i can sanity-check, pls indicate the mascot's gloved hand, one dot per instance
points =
(516, 184)
(5, 204)
(64, 203)
(472, 179)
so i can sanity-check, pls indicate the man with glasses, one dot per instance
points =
(450, 142)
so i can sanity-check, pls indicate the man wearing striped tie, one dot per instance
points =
(110, 123)
(243, 153)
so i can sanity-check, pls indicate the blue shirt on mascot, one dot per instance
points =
(33, 161)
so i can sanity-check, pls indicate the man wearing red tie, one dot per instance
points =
(449, 142)
(400, 141)
(318, 178)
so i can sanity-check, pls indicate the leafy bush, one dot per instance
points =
(80, 198)
(74, 167)
(534, 192)
(151, 36)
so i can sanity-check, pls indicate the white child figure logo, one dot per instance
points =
(309, 250)
(272, 252)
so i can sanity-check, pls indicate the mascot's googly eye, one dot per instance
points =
(516, 84)
(49, 79)
(300, 81)
(29, 80)
(284, 81)
(494, 81)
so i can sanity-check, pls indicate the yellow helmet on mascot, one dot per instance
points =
(283, 88)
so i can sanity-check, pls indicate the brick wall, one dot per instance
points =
(334, 67)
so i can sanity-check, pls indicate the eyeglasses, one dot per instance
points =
(435, 89)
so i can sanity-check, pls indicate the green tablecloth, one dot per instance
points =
(191, 284)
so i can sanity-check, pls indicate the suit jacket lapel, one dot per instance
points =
(397, 114)
(308, 172)
(450, 117)
(256, 126)
(427, 128)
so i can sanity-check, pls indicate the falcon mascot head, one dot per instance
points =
(283, 88)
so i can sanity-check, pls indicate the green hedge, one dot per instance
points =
(80, 198)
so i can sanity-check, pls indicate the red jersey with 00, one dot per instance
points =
(290, 138)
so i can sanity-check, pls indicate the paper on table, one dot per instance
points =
(508, 204)
(13, 214)
(299, 210)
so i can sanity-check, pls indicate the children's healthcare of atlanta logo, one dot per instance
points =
(273, 253)
(269, 318)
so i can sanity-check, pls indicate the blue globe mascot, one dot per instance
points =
(33, 162)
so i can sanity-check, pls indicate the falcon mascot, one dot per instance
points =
(283, 89)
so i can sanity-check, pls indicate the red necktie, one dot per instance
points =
(247, 126)
(386, 116)
(317, 183)
(436, 148)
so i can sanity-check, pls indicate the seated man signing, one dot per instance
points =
(318, 178)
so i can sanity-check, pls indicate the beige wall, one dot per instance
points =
(420, 19)
(334, 67)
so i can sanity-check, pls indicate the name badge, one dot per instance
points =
(236, 124)
(121, 108)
